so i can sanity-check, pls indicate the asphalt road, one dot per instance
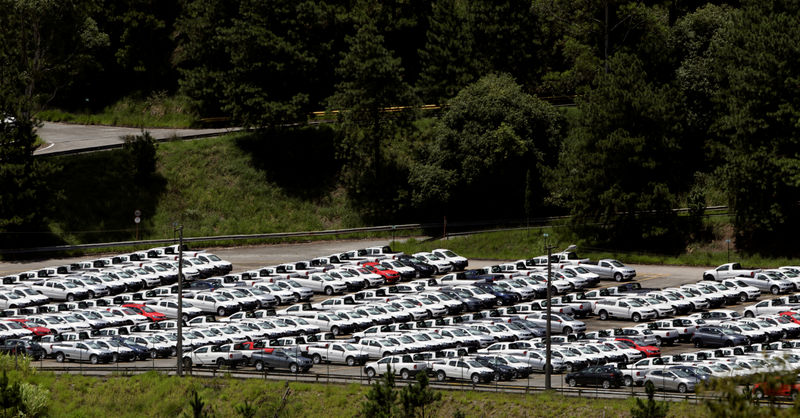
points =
(62, 137)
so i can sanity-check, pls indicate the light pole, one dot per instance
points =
(728, 241)
(548, 354)
(180, 300)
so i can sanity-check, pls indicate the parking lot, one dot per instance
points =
(248, 258)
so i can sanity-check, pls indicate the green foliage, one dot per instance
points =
(246, 409)
(142, 153)
(651, 408)
(381, 399)
(415, 398)
(758, 124)
(156, 111)
(622, 167)
(35, 400)
(486, 143)
(10, 397)
(198, 406)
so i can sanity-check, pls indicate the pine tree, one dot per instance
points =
(381, 398)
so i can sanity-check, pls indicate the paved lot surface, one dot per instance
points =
(244, 258)
(68, 137)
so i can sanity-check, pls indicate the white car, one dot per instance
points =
(440, 266)
(403, 365)
(746, 292)
(458, 262)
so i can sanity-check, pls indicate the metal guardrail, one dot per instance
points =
(522, 224)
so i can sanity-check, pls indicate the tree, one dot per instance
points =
(381, 398)
(622, 166)
(650, 409)
(483, 146)
(418, 396)
(10, 397)
(367, 99)
(757, 126)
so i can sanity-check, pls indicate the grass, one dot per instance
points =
(155, 395)
(237, 184)
(521, 244)
(156, 111)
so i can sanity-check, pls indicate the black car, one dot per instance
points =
(501, 371)
(711, 336)
(279, 359)
(470, 304)
(605, 376)
(26, 347)
(503, 296)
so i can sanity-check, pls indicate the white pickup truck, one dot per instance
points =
(609, 269)
(466, 369)
(623, 309)
(728, 271)
(342, 353)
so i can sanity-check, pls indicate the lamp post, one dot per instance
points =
(180, 300)
(728, 241)
(548, 354)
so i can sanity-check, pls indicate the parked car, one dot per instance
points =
(673, 380)
(271, 358)
(606, 376)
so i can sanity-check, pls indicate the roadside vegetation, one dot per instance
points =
(157, 111)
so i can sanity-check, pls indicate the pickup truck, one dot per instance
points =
(609, 269)
(623, 309)
(404, 365)
(631, 288)
(342, 353)
(663, 334)
(568, 257)
(772, 307)
(728, 271)
(467, 369)
(579, 309)
(458, 262)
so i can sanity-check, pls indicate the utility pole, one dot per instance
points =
(180, 300)
(548, 353)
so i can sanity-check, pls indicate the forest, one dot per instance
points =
(614, 112)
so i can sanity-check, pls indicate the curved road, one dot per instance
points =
(64, 137)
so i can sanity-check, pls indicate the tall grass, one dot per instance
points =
(156, 111)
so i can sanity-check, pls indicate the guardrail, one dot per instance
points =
(213, 372)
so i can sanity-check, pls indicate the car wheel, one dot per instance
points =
(618, 277)
(603, 315)
(476, 378)
(60, 357)
(404, 374)
(567, 330)
(278, 301)
(153, 353)
(317, 358)
(794, 395)
(708, 277)
(328, 290)
(693, 306)
(759, 394)
(366, 284)
(682, 388)
(569, 367)
(774, 290)
(606, 384)
(70, 298)
(698, 343)
(572, 383)
(173, 352)
(370, 372)
(441, 376)
(499, 302)
(297, 296)
(259, 366)
(628, 381)
(387, 354)
(658, 342)
(187, 362)
(293, 368)
(350, 361)
(636, 317)
(335, 331)
(185, 318)
(114, 357)
(749, 314)
(221, 312)
(91, 294)
(220, 362)
(743, 297)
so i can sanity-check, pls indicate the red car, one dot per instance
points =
(32, 327)
(390, 276)
(146, 311)
(776, 390)
(252, 346)
(647, 350)
(792, 316)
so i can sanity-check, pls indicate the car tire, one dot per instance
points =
(606, 384)
(658, 341)
(70, 297)
(60, 357)
(567, 330)
(329, 291)
(404, 374)
(387, 354)
(476, 378)
(698, 343)
(293, 368)
(774, 290)
(441, 376)
(297, 296)
(759, 393)
(682, 388)
(91, 294)
(185, 318)
(749, 314)
(316, 358)
(572, 382)
(278, 301)
(187, 362)
(496, 376)
(221, 312)
(618, 277)
(569, 367)
(742, 297)
(603, 315)
(636, 317)
(370, 372)
(628, 381)
(793, 395)
(335, 331)
(350, 361)
(259, 365)
(114, 357)
(173, 352)
(153, 353)
(708, 277)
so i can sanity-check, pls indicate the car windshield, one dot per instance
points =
(616, 263)
(635, 304)
(474, 363)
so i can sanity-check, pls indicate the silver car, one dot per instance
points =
(671, 379)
